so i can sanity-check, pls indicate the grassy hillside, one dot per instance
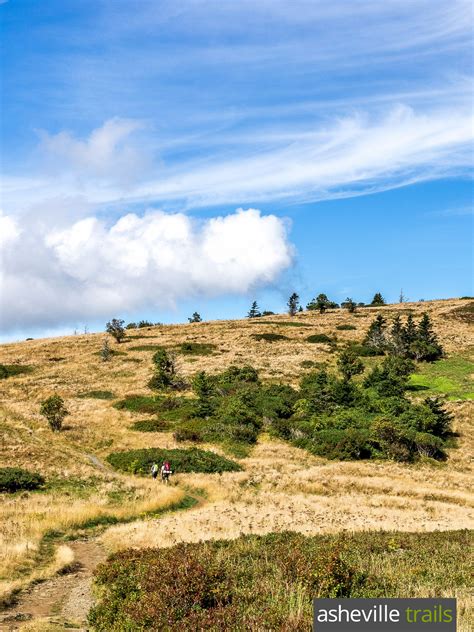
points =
(279, 487)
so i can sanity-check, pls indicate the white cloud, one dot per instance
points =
(91, 270)
(109, 153)
(348, 155)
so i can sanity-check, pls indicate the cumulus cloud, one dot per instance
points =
(108, 153)
(92, 270)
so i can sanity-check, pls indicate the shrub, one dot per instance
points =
(97, 395)
(345, 327)
(116, 329)
(319, 338)
(349, 364)
(192, 460)
(196, 348)
(187, 433)
(150, 425)
(363, 350)
(14, 479)
(10, 370)
(321, 303)
(54, 410)
(269, 337)
(223, 585)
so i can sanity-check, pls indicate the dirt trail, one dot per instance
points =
(64, 599)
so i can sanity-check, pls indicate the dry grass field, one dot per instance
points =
(280, 487)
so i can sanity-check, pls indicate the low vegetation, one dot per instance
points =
(450, 377)
(196, 348)
(269, 337)
(11, 370)
(320, 338)
(14, 479)
(268, 582)
(191, 460)
(97, 395)
(54, 409)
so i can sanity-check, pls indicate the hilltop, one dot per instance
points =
(280, 487)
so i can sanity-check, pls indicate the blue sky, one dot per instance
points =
(132, 132)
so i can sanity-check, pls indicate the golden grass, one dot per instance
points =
(281, 487)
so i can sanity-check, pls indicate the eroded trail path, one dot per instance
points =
(63, 600)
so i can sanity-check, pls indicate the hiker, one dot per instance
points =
(154, 470)
(166, 471)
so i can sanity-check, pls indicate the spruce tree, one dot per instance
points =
(203, 387)
(349, 364)
(164, 370)
(397, 340)
(321, 303)
(378, 300)
(409, 333)
(254, 311)
(376, 337)
(195, 318)
(293, 304)
(426, 345)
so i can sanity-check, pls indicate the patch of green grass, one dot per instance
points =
(113, 352)
(280, 323)
(320, 338)
(346, 327)
(146, 348)
(268, 582)
(451, 377)
(150, 425)
(269, 337)
(97, 395)
(196, 348)
(182, 460)
(311, 364)
(168, 408)
(11, 370)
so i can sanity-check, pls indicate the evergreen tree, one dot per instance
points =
(426, 345)
(254, 311)
(293, 304)
(409, 333)
(164, 370)
(116, 329)
(321, 303)
(349, 364)
(378, 300)
(195, 318)
(350, 305)
(203, 387)
(106, 351)
(397, 340)
(376, 337)
(443, 419)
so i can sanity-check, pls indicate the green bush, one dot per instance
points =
(150, 425)
(269, 337)
(345, 327)
(196, 348)
(364, 350)
(222, 585)
(192, 460)
(321, 338)
(54, 410)
(97, 395)
(188, 433)
(11, 370)
(14, 479)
